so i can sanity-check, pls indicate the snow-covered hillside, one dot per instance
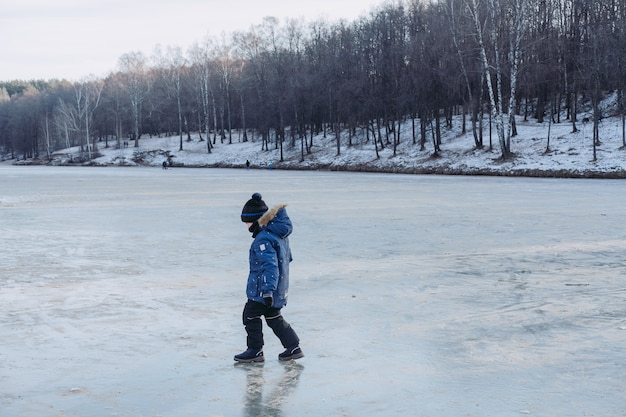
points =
(569, 155)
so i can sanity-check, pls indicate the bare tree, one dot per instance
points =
(91, 92)
(115, 105)
(77, 115)
(507, 22)
(203, 69)
(472, 85)
(226, 66)
(134, 67)
(173, 65)
(253, 47)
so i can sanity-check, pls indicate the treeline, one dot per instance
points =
(285, 82)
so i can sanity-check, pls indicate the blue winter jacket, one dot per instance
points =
(270, 255)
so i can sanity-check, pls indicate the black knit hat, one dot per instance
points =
(253, 209)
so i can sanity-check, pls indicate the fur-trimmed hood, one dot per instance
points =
(276, 221)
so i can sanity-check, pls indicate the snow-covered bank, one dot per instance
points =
(568, 154)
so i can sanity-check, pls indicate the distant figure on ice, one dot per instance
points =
(164, 164)
(247, 164)
(268, 279)
(269, 166)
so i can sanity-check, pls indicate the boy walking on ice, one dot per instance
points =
(268, 280)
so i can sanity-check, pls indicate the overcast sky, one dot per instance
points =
(73, 39)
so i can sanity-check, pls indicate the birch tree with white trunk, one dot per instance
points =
(202, 67)
(77, 115)
(173, 64)
(90, 91)
(508, 14)
(133, 66)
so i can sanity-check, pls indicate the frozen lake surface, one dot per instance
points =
(121, 292)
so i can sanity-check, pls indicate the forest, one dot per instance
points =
(283, 82)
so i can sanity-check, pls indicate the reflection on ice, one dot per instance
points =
(277, 392)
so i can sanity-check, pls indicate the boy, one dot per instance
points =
(268, 279)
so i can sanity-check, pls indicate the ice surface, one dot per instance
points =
(121, 291)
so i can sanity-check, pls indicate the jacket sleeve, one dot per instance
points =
(268, 266)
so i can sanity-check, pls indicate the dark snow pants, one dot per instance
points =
(252, 313)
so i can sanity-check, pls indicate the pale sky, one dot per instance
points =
(75, 39)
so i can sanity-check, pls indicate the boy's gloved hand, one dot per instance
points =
(269, 300)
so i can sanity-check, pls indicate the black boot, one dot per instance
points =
(250, 355)
(291, 353)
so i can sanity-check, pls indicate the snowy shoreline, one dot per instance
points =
(442, 170)
(432, 170)
(566, 154)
